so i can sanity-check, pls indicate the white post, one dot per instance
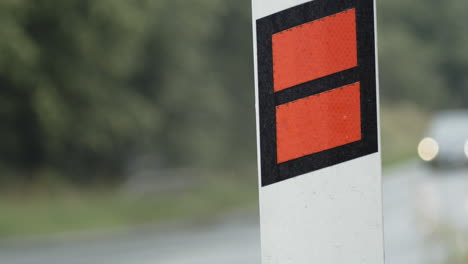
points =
(317, 131)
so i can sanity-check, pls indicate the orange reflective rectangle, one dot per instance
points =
(319, 122)
(314, 50)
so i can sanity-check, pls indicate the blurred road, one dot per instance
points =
(231, 242)
(419, 204)
(413, 199)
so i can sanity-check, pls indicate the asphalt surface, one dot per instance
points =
(423, 209)
(416, 200)
(232, 241)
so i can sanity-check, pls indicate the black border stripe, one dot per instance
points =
(313, 10)
(317, 86)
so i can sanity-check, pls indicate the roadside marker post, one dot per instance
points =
(317, 131)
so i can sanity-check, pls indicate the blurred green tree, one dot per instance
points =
(422, 52)
(64, 71)
(207, 78)
(86, 85)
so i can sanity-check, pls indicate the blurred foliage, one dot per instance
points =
(422, 52)
(59, 208)
(87, 86)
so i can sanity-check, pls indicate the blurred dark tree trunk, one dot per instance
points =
(30, 134)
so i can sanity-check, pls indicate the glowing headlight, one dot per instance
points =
(428, 149)
(466, 148)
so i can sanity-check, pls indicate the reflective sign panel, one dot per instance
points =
(316, 58)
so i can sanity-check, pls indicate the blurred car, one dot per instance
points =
(446, 141)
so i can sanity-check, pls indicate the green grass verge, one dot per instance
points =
(453, 241)
(75, 211)
(51, 207)
(402, 126)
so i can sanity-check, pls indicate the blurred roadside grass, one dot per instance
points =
(52, 207)
(454, 241)
(402, 127)
(53, 212)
